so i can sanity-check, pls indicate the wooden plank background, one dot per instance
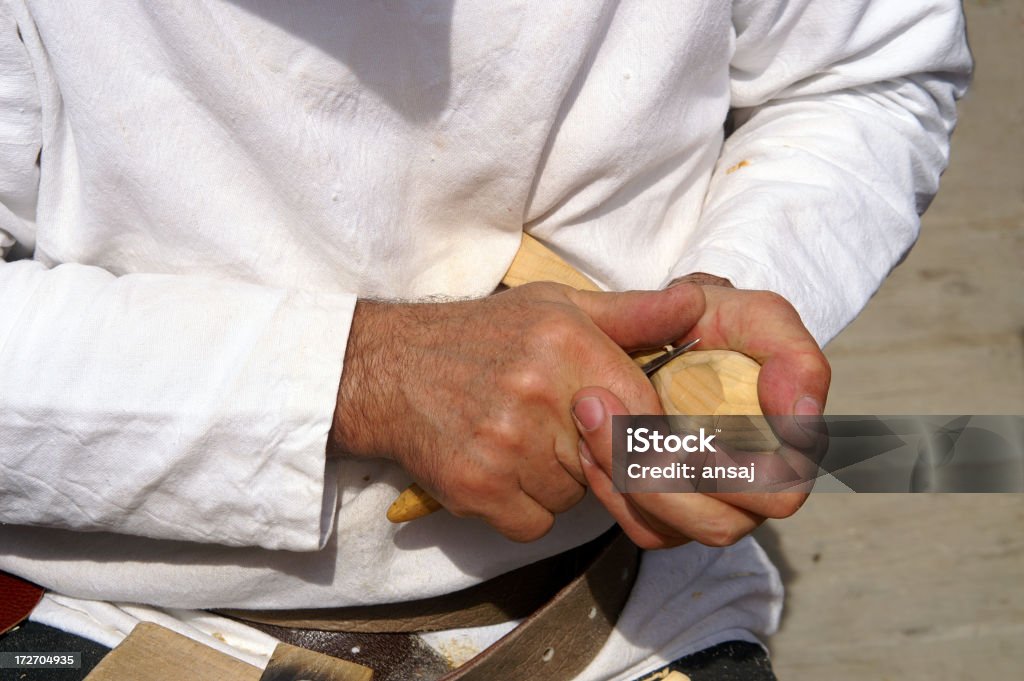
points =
(929, 587)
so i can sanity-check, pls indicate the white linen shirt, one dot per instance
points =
(194, 194)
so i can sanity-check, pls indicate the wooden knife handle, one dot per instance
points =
(699, 382)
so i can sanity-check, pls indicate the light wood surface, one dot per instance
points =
(536, 262)
(415, 502)
(153, 653)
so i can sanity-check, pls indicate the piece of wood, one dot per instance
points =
(536, 262)
(413, 503)
(717, 382)
(711, 382)
(155, 653)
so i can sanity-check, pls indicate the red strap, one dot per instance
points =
(17, 599)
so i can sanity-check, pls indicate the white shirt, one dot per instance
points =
(205, 188)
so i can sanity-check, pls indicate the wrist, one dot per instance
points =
(365, 396)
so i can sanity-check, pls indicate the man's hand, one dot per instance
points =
(794, 380)
(473, 398)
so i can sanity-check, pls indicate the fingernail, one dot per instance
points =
(807, 406)
(585, 454)
(589, 413)
(807, 415)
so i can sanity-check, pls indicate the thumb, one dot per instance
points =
(636, 320)
(593, 409)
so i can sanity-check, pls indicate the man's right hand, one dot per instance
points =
(473, 398)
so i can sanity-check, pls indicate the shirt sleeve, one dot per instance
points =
(843, 115)
(155, 405)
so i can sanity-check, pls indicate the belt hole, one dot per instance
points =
(593, 613)
(356, 650)
(548, 655)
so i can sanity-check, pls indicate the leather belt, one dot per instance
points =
(570, 603)
(588, 588)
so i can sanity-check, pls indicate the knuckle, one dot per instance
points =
(650, 539)
(649, 542)
(774, 302)
(475, 491)
(634, 390)
(568, 497)
(458, 502)
(721, 533)
(813, 367)
(500, 433)
(785, 505)
(477, 484)
(533, 530)
(556, 331)
(824, 369)
(527, 382)
(540, 289)
(567, 455)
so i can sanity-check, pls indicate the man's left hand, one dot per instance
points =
(794, 380)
